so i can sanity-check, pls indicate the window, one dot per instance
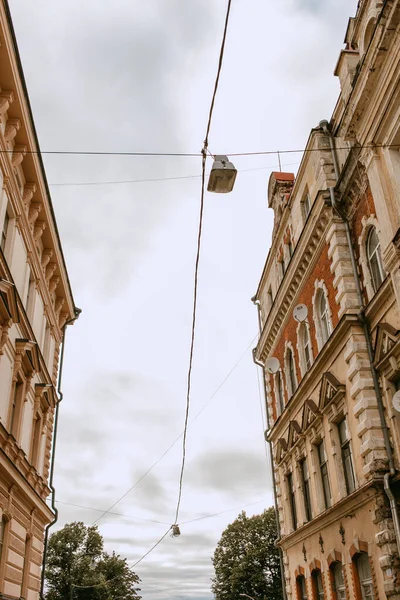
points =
(306, 489)
(338, 581)
(374, 257)
(324, 320)
(2, 531)
(270, 297)
(279, 393)
(365, 576)
(301, 588)
(30, 297)
(346, 456)
(292, 501)
(323, 466)
(306, 203)
(291, 381)
(290, 248)
(16, 408)
(305, 347)
(36, 438)
(318, 588)
(4, 231)
(282, 268)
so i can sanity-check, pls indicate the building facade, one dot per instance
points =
(35, 304)
(332, 426)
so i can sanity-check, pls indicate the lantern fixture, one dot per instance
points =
(222, 175)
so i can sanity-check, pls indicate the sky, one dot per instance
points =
(133, 76)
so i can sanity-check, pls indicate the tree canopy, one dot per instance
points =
(76, 557)
(246, 560)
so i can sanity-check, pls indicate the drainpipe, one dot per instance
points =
(53, 451)
(278, 526)
(367, 334)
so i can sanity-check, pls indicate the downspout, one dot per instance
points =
(278, 526)
(53, 451)
(367, 334)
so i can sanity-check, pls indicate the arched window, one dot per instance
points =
(365, 583)
(318, 588)
(338, 581)
(301, 588)
(305, 348)
(324, 317)
(279, 393)
(290, 368)
(374, 257)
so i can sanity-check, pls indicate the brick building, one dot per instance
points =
(332, 427)
(35, 305)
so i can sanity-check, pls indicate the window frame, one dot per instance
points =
(292, 499)
(301, 587)
(306, 483)
(318, 585)
(360, 583)
(346, 457)
(279, 393)
(290, 372)
(323, 335)
(324, 474)
(306, 205)
(376, 256)
(333, 568)
(304, 346)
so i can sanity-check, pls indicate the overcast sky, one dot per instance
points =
(130, 75)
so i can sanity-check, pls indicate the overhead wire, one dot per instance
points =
(236, 364)
(156, 179)
(187, 154)
(135, 518)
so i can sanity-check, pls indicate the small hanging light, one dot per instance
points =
(222, 176)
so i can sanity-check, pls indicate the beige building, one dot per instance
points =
(35, 305)
(331, 375)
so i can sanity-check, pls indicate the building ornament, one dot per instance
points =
(11, 130)
(18, 155)
(6, 99)
(29, 190)
(34, 210)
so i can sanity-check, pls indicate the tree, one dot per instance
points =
(246, 560)
(76, 557)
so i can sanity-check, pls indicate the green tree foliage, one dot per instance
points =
(76, 557)
(246, 560)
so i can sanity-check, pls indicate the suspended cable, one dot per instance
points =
(156, 179)
(194, 311)
(106, 512)
(190, 154)
(134, 518)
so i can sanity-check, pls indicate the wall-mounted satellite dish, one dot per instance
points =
(272, 365)
(396, 401)
(300, 313)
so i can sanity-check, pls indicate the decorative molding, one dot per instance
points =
(6, 99)
(18, 155)
(11, 129)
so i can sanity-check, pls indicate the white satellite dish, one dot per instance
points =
(300, 313)
(272, 365)
(396, 401)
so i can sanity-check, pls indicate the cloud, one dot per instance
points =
(229, 472)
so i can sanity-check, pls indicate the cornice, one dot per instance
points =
(304, 257)
(20, 111)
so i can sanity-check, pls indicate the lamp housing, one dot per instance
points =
(222, 176)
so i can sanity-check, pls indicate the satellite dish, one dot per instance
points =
(300, 313)
(396, 401)
(272, 365)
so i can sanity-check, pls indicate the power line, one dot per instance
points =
(156, 179)
(191, 154)
(196, 270)
(134, 518)
(180, 435)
